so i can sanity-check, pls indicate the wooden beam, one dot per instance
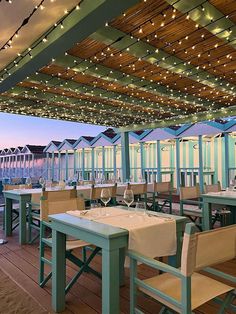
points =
(78, 25)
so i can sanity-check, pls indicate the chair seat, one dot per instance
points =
(197, 212)
(203, 289)
(71, 244)
(36, 216)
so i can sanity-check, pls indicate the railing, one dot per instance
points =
(190, 176)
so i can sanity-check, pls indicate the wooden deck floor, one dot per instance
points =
(21, 264)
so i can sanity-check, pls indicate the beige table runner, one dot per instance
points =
(148, 235)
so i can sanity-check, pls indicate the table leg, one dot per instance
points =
(58, 270)
(122, 265)
(8, 217)
(206, 216)
(110, 281)
(175, 260)
(22, 222)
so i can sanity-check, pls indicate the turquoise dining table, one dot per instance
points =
(22, 197)
(223, 198)
(113, 242)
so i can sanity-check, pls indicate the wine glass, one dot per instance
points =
(140, 178)
(105, 196)
(48, 184)
(131, 178)
(128, 197)
(42, 181)
(28, 182)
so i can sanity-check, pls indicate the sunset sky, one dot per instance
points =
(19, 130)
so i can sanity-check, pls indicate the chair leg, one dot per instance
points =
(84, 267)
(227, 301)
(30, 222)
(41, 254)
(133, 286)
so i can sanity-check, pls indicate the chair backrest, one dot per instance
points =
(62, 184)
(207, 248)
(96, 191)
(50, 206)
(139, 188)
(162, 187)
(86, 182)
(59, 195)
(15, 180)
(189, 192)
(35, 198)
(7, 187)
(212, 187)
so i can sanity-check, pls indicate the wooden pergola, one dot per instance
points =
(128, 64)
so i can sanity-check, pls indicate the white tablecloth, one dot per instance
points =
(150, 236)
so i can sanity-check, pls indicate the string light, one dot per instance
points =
(25, 22)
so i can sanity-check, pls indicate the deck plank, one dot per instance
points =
(21, 263)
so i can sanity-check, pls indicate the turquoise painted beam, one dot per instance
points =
(181, 119)
(111, 75)
(83, 163)
(177, 147)
(53, 165)
(103, 160)
(92, 162)
(142, 158)
(216, 159)
(47, 165)
(67, 165)
(141, 49)
(59, 166)
(208, 16)
(200, 156)
(78, 25)
(114, 161)
(159, 178)
(75, 161)
(226, 158)
(125, 156)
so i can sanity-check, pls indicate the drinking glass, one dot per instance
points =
(140, 178)
(48, 184)
(128, 197)
(141, 208)
(42, 181)
(28, 181)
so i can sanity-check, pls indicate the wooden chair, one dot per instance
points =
(140, 192)
(55, 202)
(86, 182)
(161, 196)
(96, 193)
(185, 289)
(191, 196)
(34, 215)
(16, 180)
(34, 207)
(220, 213)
